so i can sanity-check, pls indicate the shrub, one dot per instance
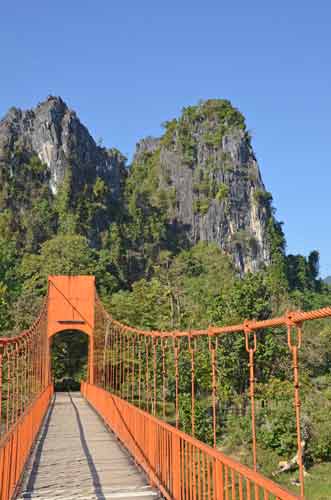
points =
(203, 420)
(262, 197)
(222, 193)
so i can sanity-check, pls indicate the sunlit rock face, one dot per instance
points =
(55, 134)
(206, 162)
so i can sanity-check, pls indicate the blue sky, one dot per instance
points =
(127, 66)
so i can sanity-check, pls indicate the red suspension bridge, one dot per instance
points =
(129, 375)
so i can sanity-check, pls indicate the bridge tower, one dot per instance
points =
(71, 305)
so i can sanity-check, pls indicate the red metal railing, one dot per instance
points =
(25, 393)
(181, 467)
(16, 444)
(139, 366)
(138, 378)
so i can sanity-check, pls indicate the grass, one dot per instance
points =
(317, 482)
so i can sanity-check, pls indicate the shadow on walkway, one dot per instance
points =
(39, 449)
(98, 492)
(94, 474)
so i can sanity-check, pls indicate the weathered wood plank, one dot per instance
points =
(77, 458)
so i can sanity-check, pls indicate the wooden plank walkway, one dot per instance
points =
(77, 458)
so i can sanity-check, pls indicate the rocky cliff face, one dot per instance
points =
(54, 133)
(200, 179)
(54, 177)
(207, 169)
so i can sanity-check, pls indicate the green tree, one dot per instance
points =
(146, 306)
(69, 359)
(63, 254)
(249, 298)
(67, 219)
(4, 306)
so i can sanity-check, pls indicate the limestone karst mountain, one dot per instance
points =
(206, 170)
(201, 179)
(54, 133)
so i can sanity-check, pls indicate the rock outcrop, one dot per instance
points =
(54, 133)
(206, 163)
(202, 173)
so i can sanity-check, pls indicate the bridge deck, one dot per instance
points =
(77, 458)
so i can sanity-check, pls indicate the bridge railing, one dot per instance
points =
(25, 393)
(157, 370)
(16, 444)
(181, 467)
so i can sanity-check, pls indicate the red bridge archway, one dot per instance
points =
(71, 306)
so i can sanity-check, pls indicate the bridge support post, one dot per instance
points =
(175, 456)
(91, 361)
(218, 481)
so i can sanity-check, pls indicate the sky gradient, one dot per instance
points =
(126, 67)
